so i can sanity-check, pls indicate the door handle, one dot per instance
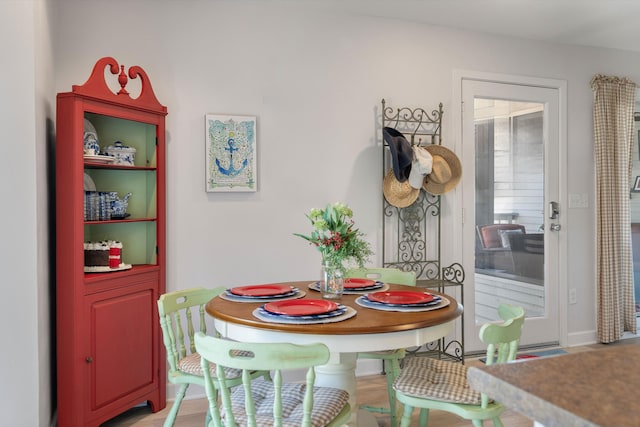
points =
(555, 227)
(554, 210)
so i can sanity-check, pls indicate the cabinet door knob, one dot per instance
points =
(89, 359)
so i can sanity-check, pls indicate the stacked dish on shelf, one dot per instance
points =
(91, 145)
(99, 158)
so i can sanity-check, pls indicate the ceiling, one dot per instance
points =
(597, 23)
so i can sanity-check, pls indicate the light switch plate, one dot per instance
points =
(578, 200)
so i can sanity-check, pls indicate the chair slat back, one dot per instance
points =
(182, 314)
(502, 339)
(384, 274)
(247, 357)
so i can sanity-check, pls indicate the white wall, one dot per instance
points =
(314, 78)
(45, 196)
(26, 86)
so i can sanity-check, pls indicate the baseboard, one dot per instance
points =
(582, 338)
(193, 392)
(368, 367)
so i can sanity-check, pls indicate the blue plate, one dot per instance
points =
(337, 312)
(436, 300)
(258, 298)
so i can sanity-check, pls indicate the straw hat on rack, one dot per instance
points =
(398, 194)
(446, 170)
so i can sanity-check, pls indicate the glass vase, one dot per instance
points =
(331, 281)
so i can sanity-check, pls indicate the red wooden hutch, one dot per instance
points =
(110, 355)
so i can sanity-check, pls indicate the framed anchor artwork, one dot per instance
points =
(230, 153)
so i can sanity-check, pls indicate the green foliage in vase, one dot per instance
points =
(336, 238)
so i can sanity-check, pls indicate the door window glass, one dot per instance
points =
(509, 206)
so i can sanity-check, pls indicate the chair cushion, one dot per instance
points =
(191, 364)
(504, 237)
(436, 380)
(327, 404)
(534, 243)
(490, 234)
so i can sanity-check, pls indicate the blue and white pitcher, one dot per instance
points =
(118, 205)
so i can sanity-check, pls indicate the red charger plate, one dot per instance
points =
(261, 290)
(358, 283)
(300, 307)
(400, 297)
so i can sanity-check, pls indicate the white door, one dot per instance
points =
(511, 150)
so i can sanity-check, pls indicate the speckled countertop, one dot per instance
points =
(591, 388)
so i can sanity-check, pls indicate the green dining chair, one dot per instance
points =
(181, 314)
(264, 403)
(428, 383)
(390, 358)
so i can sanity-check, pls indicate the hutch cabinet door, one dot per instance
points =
(121, 330)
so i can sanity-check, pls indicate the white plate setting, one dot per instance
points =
(433, 305)
(379, 286)
(107, 269)
(293, 294)
(341, 313)
(89, 185)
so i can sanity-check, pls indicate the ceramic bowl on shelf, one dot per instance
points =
(123, 154)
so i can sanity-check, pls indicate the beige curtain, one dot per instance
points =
(613, 138)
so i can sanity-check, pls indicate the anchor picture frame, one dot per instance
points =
(231, 154)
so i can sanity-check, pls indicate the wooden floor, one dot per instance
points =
(371, 391)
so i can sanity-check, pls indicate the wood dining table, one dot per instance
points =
(368, 330)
